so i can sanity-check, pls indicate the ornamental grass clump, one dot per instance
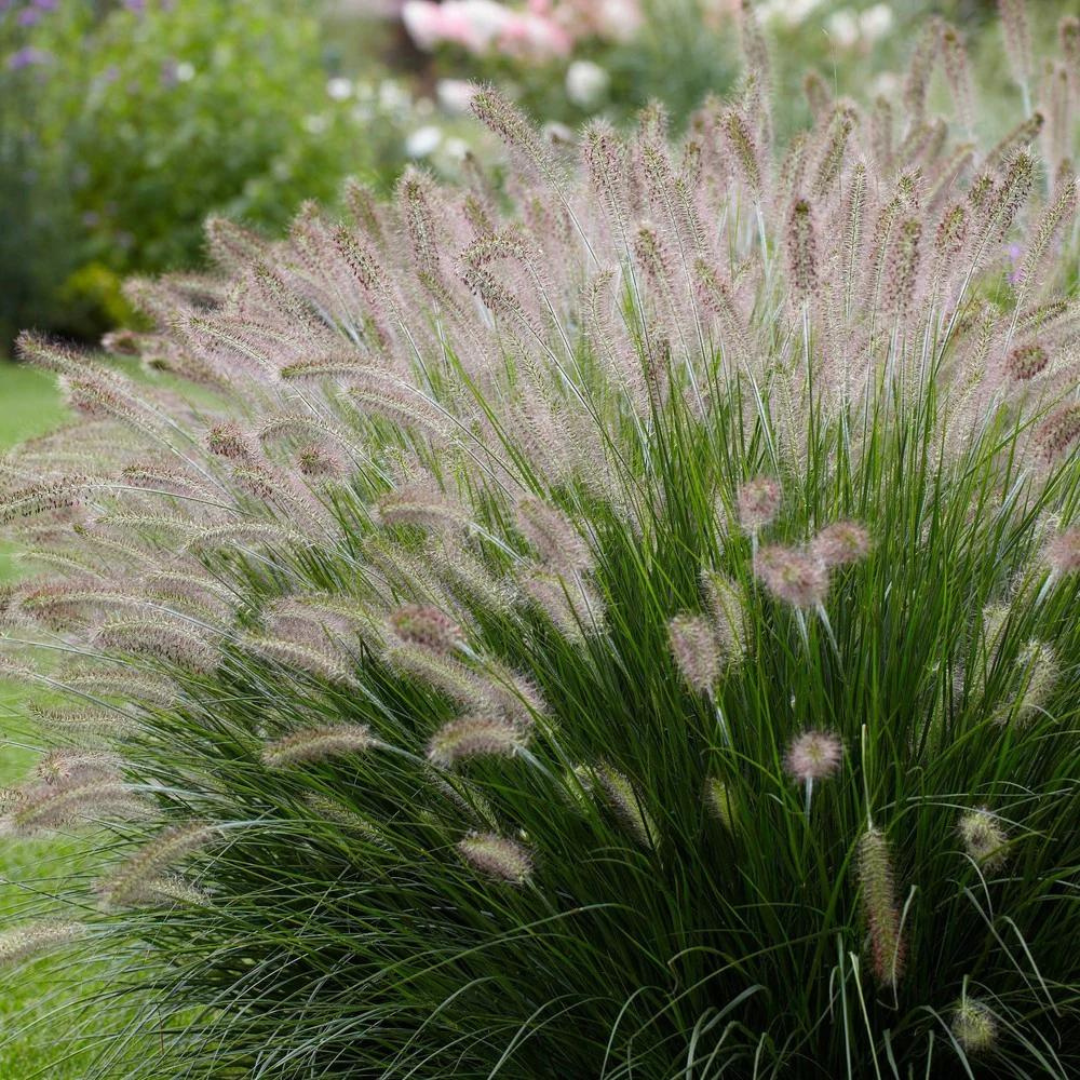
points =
(457, 613)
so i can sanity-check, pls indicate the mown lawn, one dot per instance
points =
(32, 1041)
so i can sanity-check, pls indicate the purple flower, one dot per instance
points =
(29, 16)
(46, 5)
(138, 6)
(28, 57)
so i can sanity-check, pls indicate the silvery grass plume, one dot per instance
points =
(499, 568)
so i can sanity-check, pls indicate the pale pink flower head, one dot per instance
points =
(693, 644)
(1063, 552)
(533, 37)
(841, 543)
(758, 501)
(814, 755)
(473, 24)
(797, 577)
(424, 23)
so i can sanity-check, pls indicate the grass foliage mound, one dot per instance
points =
(617, 623)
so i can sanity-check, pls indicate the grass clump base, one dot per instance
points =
(618, 624)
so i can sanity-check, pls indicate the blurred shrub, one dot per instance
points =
(121, 124)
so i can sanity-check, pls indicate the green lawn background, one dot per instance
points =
(33, 1042)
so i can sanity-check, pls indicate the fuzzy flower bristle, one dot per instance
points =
(693, 644)
(475, 736)
(984, 837)
(728, 610)
(758, 502)
(1039, 673)
(801, 245)
(721, 802)
(318, 744)
(553, 535)
(140, 877)
(1026, 361)
(26, 942)
(879, 907)
(427, 628)
(974, 1026)
(497, 857)
(814, 755)
(63, 766)
(796, 577)
(626, 805)
(841, 543)
(1063, 552)
(80, 800)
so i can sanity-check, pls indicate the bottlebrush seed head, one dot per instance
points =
(951, 234)
(814, 755)
(496, 857)
(1039, 672)
(728, 613)
(801, 248)
(62, 766)
(52, 806)
(553, 535)
(1014, 24)
(426, 627)
(841, 543)
(879, 907)
(974, 1026)
(1058, 432)
(1026, 361)
(758, 502)
(624, 802)
(138, 878)
(984, 837)
(720, 802)
(42, 497)
(229, 441)
(316, 463)
(1063, 552)
(902, 266)
(25, 942)
(794, 576)
(317, 744)
(475, 736)
(693, 644)
(1069, 41)
(957, 72)
(743, 147)
(424, 505)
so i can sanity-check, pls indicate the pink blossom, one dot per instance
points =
(757, 501)
(609, 20)
(814, 755)
(535, 37)
(797, 577)
(843, 542)
(1063, 552)
(472, 24)
(539, 30)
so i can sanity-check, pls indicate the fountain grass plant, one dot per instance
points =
(619, 622)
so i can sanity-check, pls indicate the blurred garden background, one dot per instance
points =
(125, 123)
